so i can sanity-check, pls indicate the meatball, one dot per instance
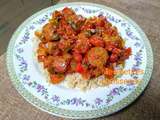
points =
(97, 56)
(82, 44)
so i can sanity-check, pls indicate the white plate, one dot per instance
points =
(61, 101)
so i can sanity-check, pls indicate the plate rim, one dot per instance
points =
(71, 113)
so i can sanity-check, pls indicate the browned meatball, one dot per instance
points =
(82, 44)
(97, 56)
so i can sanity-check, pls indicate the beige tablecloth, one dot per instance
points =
(145, 12)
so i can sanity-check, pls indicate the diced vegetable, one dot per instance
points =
(79, 68)
(55, 37)
(113, 58)
(38, 34)
(56, 78)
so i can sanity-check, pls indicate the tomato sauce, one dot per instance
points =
(71, 43)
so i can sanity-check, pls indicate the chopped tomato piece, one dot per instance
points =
(79, 68)
(113, 58)
(55, 78)
(116, 51)
(126, 54)
(67, 11)
(101, 21)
